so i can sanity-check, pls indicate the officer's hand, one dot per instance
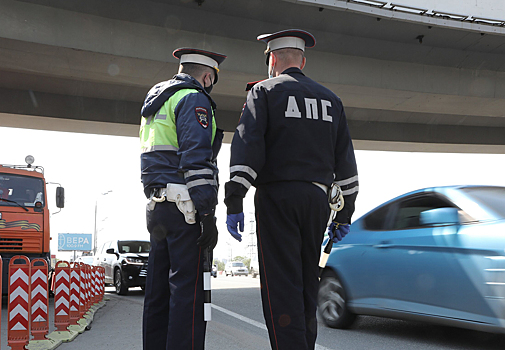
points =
(208, 238)
(232, 220)
(338, 231)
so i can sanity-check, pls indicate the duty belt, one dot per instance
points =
(177, 193)
(321, 186)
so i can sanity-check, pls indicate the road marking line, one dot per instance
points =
(253, 322)
(240, 317)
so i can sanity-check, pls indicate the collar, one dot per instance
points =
(163, 91)
(292, 70)
(188, 79)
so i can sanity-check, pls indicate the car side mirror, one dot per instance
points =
(439, 216)
(111, 251)
(60, 197)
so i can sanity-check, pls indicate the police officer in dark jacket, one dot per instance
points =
(179, 145)
(292, 142)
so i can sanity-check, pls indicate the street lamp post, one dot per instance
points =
(95, 238)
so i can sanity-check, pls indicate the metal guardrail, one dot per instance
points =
(397, 11)
(387, 5)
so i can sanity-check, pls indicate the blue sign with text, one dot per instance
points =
(74, 241)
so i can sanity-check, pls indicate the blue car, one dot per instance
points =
(435, 255)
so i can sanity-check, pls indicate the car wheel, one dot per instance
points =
(232, 274)
(121, 287)
(332, 302)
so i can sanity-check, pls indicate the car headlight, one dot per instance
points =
(135, 261)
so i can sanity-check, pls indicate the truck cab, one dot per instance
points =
(24, 214)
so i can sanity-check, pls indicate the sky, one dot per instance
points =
(104, 171)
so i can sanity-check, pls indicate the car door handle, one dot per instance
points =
(383, 245)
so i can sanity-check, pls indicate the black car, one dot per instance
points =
(125, 263)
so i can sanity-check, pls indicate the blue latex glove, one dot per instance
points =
(338, 231)
(232, 220)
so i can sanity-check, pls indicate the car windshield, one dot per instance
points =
(492, 198)
(21, 189)
(134, 246)
(239, 264)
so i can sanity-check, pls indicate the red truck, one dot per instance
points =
(24, 214)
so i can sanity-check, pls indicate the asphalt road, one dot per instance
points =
(237, 323)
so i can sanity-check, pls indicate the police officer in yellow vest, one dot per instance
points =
(179, 145)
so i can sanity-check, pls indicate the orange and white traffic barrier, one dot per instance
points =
(1, 277)
(19, 303)
(102, 283)
(98, 283)
(75, 285)
(95, 285)
(92, 285)
(88, 285)
(39, 299)
(63, 332)
(62, 296)
(82, 290)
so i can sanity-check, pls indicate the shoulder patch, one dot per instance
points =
(202, 116)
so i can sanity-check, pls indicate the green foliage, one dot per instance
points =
(247, 262)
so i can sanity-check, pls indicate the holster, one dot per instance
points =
(179, 194)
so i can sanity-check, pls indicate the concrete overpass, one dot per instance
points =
(411, 79)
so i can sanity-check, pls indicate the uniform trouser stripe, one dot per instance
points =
(194, 300)
(290, 252)
(175, 269)
(265, 277)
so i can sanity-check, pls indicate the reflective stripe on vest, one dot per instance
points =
(158, 132)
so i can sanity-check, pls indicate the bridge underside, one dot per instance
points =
(81, 67)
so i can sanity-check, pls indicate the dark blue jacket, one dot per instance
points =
(292, 129)
(193, 162)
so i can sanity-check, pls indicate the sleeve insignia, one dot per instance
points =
(202, 116)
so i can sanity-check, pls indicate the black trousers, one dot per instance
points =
(173, 304)
(291, 219)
